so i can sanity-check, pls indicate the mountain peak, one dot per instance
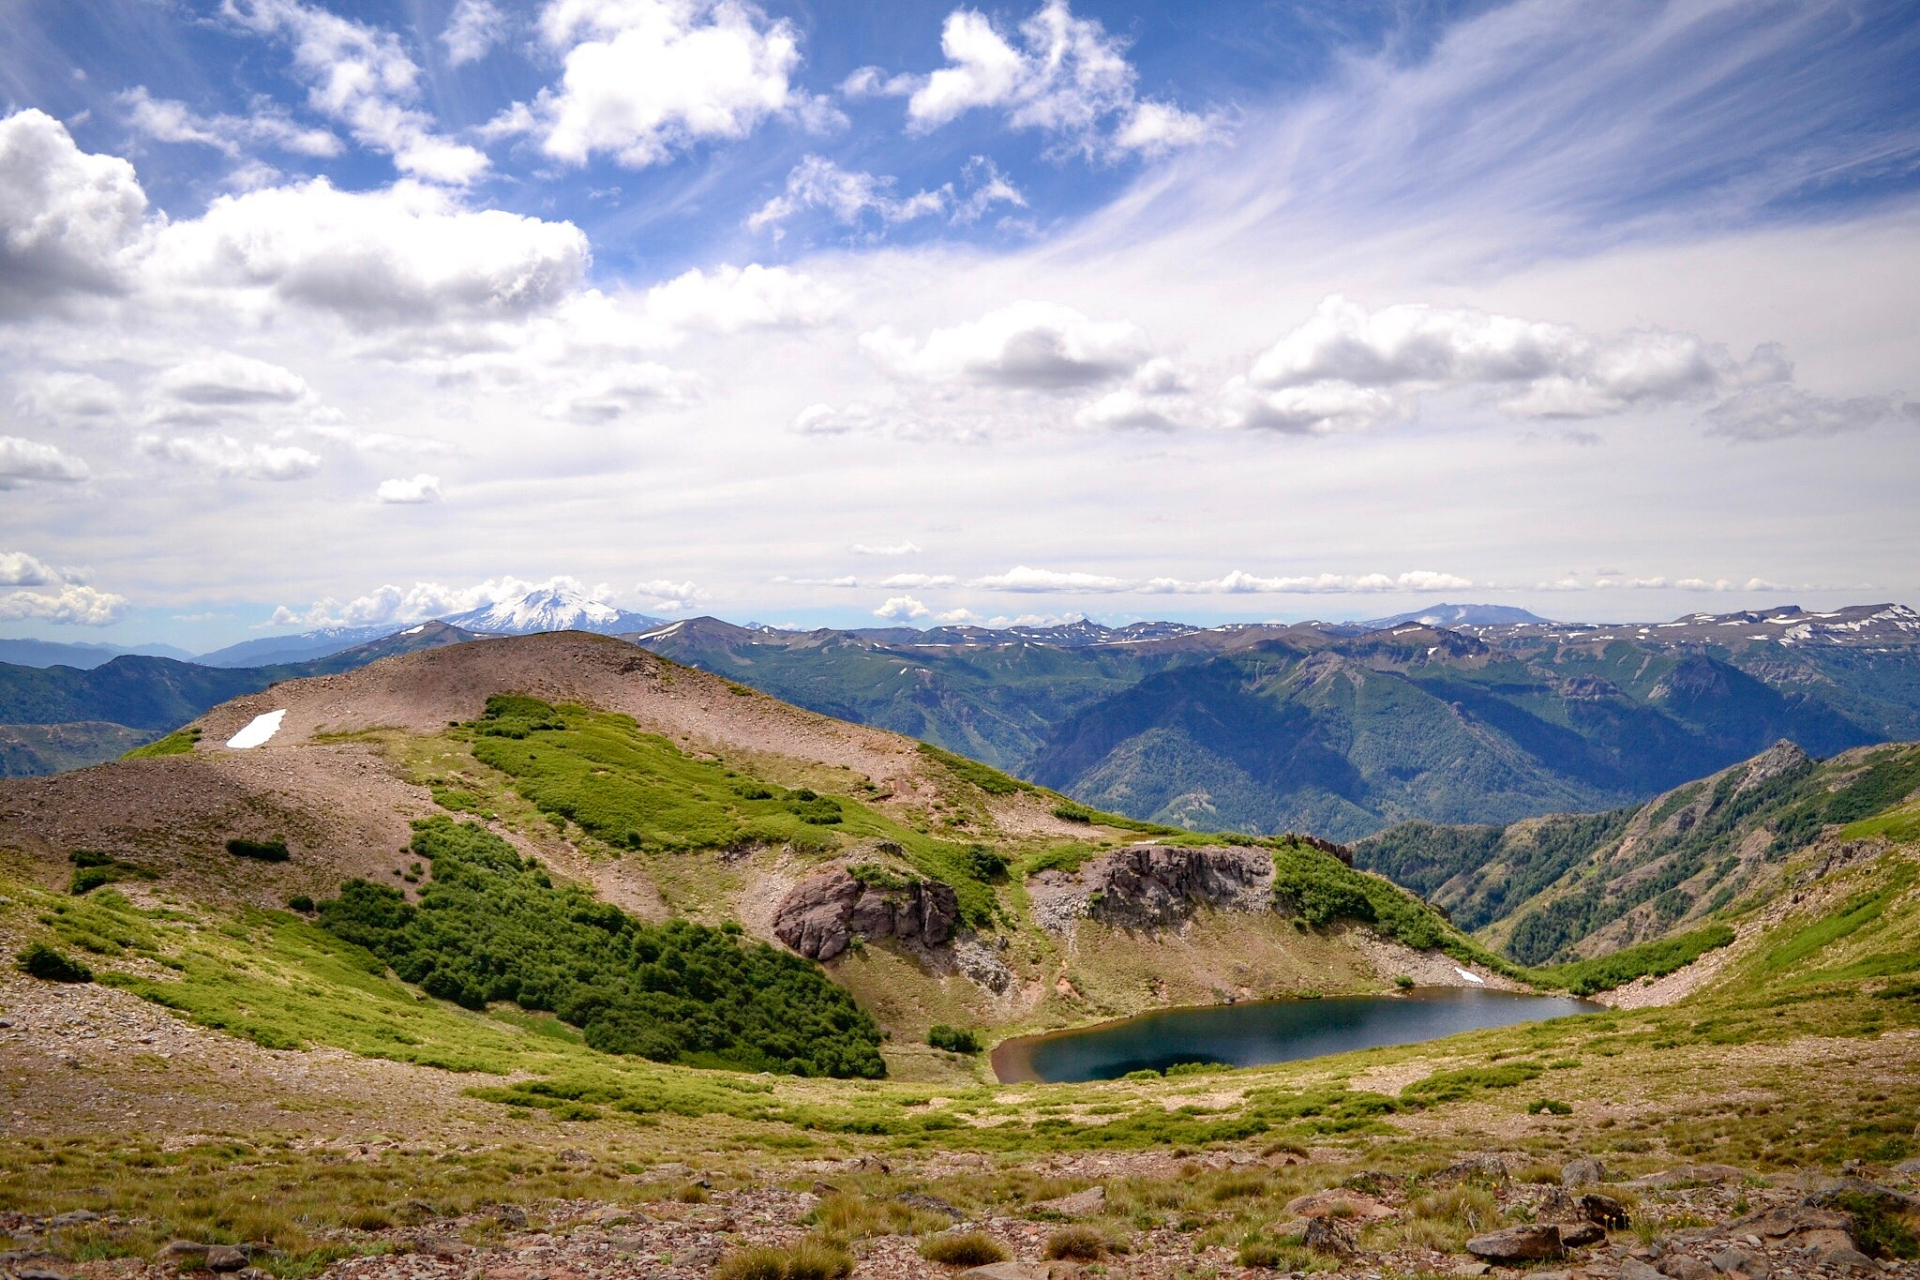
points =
(553, 608)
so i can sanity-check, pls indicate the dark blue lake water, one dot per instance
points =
(1248, 1035)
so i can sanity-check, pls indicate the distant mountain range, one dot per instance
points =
(1343, 731)
(54, 653)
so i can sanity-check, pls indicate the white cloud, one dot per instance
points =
(61, 397)
(645, 78)
(1241, 583)
(1025, 579)
(404, 254)
(1153, 400)
(1067, 78)
(22, 461)
(168, 120)
(917, 581)
(885, 549)
(1349, 368)
(362, 77)
(634, 388)
(227, 458)
(18, 569)
(826, 420)
(419, 602)
(901, 609)
(729, 299)
(668, 596)
(473, 29)
(70, 605)
(853, 197)
(229, 379)
(422, 488)
(1033, 345)
(69, 221)
(1778, 411)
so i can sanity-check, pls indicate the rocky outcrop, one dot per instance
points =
(825, 912)
(1151, 886)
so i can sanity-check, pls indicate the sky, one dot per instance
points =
(320, 313)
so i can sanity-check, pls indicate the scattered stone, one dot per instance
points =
(1022, 1271)
(444, 1249)
(1338, 1202)
(510, 1216)
(1691, 1173)
(1471, 1269)
(185, 1253)
(1844, 1258)
(224, 1257)
(38, 1272)
(573, 1155)
(1578, 1235)
(74, 1218)
(1537, 1243)
(934, 1204)
(1078, 1205)
(1587, 1171)
(824, 1189)
(1682, 1266)
(1635, 1269)
(1326, 1236)
(1473, 1169)
(1741, 1261)
(1604, 1210)
(1908, 1167)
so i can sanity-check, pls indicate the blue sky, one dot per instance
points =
(319, 312)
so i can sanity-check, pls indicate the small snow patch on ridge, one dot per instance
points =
(1474, 978)
(258, 730)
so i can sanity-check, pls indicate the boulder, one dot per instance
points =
(1587, 1171)
(934, 1204)
(1329, 1237)
(1080, 1204)
(1473, 1169)
(1536, 1243)
(820, 916)
(1604, 1211)
(1022, 1271)
(1635, 1269)
(73, 1218)
(1578, 1235)
(224, 1257)
(1689, 1174)
(184, 1253)
(1737, 1260)
(1338, 1202)
(1681, 1266)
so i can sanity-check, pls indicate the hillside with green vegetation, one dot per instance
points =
(1560, 888)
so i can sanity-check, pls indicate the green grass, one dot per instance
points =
(1319, 888)
(1648, 959)
(178, 743)
(1857, 913)
(491, 928)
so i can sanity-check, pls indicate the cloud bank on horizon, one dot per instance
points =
(1114, 308)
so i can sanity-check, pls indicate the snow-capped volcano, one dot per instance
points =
(551, 609)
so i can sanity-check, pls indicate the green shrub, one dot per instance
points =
(1313, 885)
(300, 902)
(489, 927)
(963, 1249)
(274, 850)
(1549, 1106)
(1647, 960)
(953, 1039)
(1072, 813)
(1450, 1086)
(1879, 1232)
(1076, 1244)
(178, 743)
(42, 961)
(811, 1259)
(1403, 982)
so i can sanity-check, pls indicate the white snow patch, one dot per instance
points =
(258, 730)
(1474, 978)
(414, 631)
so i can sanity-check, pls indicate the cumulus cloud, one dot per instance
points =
(361, 76)
(1028, 345)
(473, 29)
(18, 569)
(421, 489)
(1059, 74)
(1154, 399)
(854, 198)
(729, 299)
(404, 254)
(421, 601)
(24, 461)
(635, 388)
(229, 379)
(70, 605)
(63, 397)
(1024, 579)
(225, 457)
(668, 596)
(1349, 368)
(643, 79)
(168, 120)
(1778, 411)
(901, 609)
(69, 222)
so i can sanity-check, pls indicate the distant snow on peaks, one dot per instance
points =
(551, 609)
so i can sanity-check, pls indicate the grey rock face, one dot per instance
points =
(1518, 1244)
(822, 915)
(1584, 1172)
(1151, 886)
